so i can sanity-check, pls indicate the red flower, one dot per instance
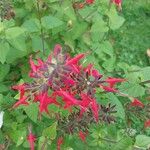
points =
(136, 103)
(75, 60)
(95, 110)
(82, 135)
(147, 123)
(88, 102)
(117, 2)
(68, 99)
(45, 100)
(22, 101)
(57, 49)
(85, 103)
(112, 81)
(20, 88)
(96, 74)
(89, 1)
(59, 142)
(108, 89)
(31, 139)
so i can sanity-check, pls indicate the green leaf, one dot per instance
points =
(37, 44)
(50, 131)
(132, 89)
(119, 107)
(32, 25)
(50, 22)
(32, 111)
(125, 143)
(14, 32)
(142, 141)
(109, 64)
(4, 50)
(146, 73)
(115, 21)
(4, 70)
(18, 43)
(3, 88)
(77, 31)
(98, 29)
(18, 136)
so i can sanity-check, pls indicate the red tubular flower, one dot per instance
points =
(88, 69)
(75, 60)
(89, 2)
(147, 124)
(33, 66)
(68, 99)
(95, 110)
(57, 49)
(137, 103)
(82, 135)
(31, 139)
(20, 88)
(22, 101)
(96, 74)
(117, 2)
(45, 100)
(108, 89)
(59, 143)
(85, 103)
(112, 81)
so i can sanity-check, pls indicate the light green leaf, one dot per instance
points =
(98, 29)
(4, 70)
(50, 131)
(119, 107)
(14, 32)
(18, 43)
(50, 22)
(142, 141)
(37, 44)
(32, 111)
(32, 25)
(115, 21)
(132, 89)
(4, 50)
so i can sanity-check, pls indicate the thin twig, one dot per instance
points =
(44, 144)
(108, 140)
(42, 33)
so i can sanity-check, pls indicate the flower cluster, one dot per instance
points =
(65, 77)
(65, 82)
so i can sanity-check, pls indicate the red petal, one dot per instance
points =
(59, 142)
(147, 123)
(108, 89)
(82, 136)
(33, 66)
(113, 81)
(117, 1)
(96, 74)
(136, 103)
(31, 139)
(75, 60)
(21, 101)
(89, 1)
(57, 49)
(95, 109)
